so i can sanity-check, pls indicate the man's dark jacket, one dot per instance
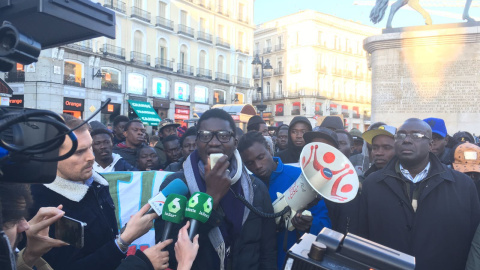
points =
(162, 157)
(127, 153)
(96, 209)
(292, 153)
(440, 232)
(254, 249)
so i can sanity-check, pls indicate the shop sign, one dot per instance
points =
(73, 104)
(16, 101)
(181, 116)
(279, 109)
(160, 88)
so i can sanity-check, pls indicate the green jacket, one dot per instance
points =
(162, 157)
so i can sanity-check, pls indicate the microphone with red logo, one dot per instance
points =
(177, 186)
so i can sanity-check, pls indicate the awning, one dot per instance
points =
(239, 112)
(145, 112)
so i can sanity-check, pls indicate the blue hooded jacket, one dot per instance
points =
(280, 180)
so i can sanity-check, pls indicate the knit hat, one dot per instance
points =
(333, 123)
(467, 158)
(321, 132)
(256, 119)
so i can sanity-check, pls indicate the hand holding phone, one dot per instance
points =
(70, 231)
(38, 241)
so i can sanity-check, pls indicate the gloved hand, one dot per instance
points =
(302, 222)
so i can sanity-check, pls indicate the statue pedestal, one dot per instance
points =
(427, 72)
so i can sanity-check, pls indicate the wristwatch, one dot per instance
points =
(121, 244)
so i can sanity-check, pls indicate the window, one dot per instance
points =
(268, 43)
(138, 41)
(201, 94)
(241, 9)
(182, 91)
(257, 47)
(73, 73)
(240, 41)
(240, 69)
(183, 60)
(160, 87)
(138, 3)
(220, 64)
(280, 88)
(183, 17)
(296, 108)
(162, 49)
(162, 8)
(319, 38)
(136, 84)
(279, 41)
(219, 97)
(203, 25)
(202, 59)
(239, 98)
(220, 31)
(267, 92)
(111, 79)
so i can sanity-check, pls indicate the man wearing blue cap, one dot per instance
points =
(439, 134)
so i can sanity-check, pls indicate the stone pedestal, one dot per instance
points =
(427, 72)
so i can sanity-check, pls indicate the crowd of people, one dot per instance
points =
(419, 194)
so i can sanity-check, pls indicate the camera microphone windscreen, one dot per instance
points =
(198, 209)
(177, 186)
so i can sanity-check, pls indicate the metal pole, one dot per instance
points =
(261, 93)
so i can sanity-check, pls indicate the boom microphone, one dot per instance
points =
(177, 186)
(173, 213)
(198, 209)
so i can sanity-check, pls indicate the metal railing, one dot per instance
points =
(267, 73)
(114, 87)
(140, 14)
(279, 95)
(139, 57)
(163, 64)
(219, 76)
(243, 81)
(116, 5)
(114, 51)
(241, 49)
(278, 71)
(15, 76)
(256, 75)
(82, 45)
(204, 73)
(69, 79)
(188, 31)
(222, 11)
(279, 47)
(223, 43)
(185, 69)
(162, 22)
(267, 50)
(204, 36)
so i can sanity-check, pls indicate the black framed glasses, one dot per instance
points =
(414, 136)
(206, 136)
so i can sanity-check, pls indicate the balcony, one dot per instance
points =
(221, 77)
(113, 51)
(202, 36)
(204, 73)
(257, 75)
(85, 46)
(116, 5)
(15, 76)
(279, 47)
(267, 73)
(140, 58)
(243, 19)
(256, 52)
(241, 49)
(222, 43)
(185, 30)
(140, 14)
(222, 11)
(185, 69)
(113, 87)
(164, 64)
(69, 79)
(295, 69)
(279, 96)
(278, 71)
(245, 82)
(292, 95)
(267, 50)
(164, 23)
(202, 3)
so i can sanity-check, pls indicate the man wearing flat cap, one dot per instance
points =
(166, 128)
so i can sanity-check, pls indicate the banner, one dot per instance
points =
(130, 191)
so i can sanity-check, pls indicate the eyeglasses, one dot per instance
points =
(414, 136)
(206, 136)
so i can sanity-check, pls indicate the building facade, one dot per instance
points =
(181, 56)
(319, 69)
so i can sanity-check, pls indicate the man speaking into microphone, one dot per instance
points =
(232, 236)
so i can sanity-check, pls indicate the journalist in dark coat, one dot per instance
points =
(439, 232)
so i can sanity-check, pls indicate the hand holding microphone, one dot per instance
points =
(185, 250)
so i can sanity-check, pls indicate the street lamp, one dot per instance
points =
(256, 61)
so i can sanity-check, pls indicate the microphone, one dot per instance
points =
(173, 213)
(177, 186)
(198, 209)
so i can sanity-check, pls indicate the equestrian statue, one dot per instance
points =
(378, 11)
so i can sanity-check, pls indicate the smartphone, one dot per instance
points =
(214, 158)
(70, 231)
